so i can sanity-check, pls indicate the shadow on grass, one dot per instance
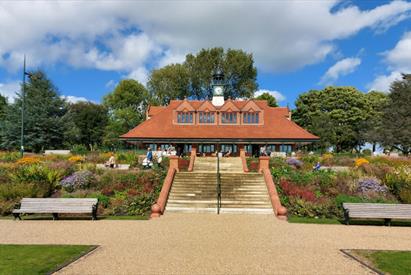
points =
(382, 261)
(296, 219)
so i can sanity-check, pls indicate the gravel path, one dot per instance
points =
(207, 243)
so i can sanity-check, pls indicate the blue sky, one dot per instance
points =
(88, 47)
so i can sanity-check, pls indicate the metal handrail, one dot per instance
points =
(218, 185)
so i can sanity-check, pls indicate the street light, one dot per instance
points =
(22, 106)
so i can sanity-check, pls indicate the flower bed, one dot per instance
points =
(130, 192)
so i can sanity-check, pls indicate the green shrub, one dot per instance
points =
(141, 204)
(399, 179)
(405, 195)
(9, 156)
(79, 149)
(367, 152)
(44, 180)
(17, 191)
(324, 209)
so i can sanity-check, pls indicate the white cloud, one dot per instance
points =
(398, 60)
(74, 99)
(383, 82)
(110, 84)
(9, 90)
(278, 96)
(341, 68)
(125, 36)
(140, 74)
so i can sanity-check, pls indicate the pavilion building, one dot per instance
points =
(220, 125)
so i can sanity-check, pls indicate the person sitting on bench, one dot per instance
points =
(228, 153)
(111, 162)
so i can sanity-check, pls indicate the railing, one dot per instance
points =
(218, 185)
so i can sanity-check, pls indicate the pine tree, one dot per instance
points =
(44, 122)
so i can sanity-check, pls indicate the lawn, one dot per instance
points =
(38, 259)
(385, 261)
(297, 219)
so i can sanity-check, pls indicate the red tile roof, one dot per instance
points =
(276, 125)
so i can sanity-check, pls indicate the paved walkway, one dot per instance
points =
(207, 243)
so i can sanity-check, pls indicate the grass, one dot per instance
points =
(385, 261)
(297, 219)
(39, 259)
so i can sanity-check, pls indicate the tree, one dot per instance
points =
(397, 117)
(44, 123)
(3, 107)
(372, 127)
(167, 83)
(193, 77)
(272, 102)
(126, 107)
(87, 123)
(344, 108)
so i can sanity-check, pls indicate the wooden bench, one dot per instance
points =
(384, 211)
(57, 206)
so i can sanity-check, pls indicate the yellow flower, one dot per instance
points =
(28, 160)
(360, 162)
(76, 159)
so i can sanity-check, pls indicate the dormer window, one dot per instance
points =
(251, 118)
(185, 117)
(206, 117)
(229, 118)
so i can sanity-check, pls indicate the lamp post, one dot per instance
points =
(22, 107)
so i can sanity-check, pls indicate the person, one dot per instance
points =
(317, 167)
(159, 156)
(263, 151)
(228, 153)
(148, 161)
(111, 161)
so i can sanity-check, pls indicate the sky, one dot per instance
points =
(87, 47)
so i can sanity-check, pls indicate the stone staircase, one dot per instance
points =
(240, 192)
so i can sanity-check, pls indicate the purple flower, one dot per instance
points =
(371, 185)
(294, 162)
(78, 180)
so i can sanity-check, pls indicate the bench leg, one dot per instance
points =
(17, 216)
(387, 222)
(346, 218)
(55, 216)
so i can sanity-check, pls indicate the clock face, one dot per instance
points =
(218, 90)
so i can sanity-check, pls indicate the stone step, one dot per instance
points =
(222, 210)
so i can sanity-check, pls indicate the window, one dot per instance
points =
(271, 147)
(153, 146)
(206, 148)
(185, 117)
(285, 148)
(227, 147)
(250, 118)
(187, 148)
(229, 118)
(206, 117)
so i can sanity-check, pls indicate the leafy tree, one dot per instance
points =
(193, 77)
(126, 106)
(169, 82)
(272, 102)
(344, 108)
(397, 117)
(3, 106)
(372, 128)
(87, 123)
(44, 123)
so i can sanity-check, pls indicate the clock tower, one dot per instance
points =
(218, 88)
